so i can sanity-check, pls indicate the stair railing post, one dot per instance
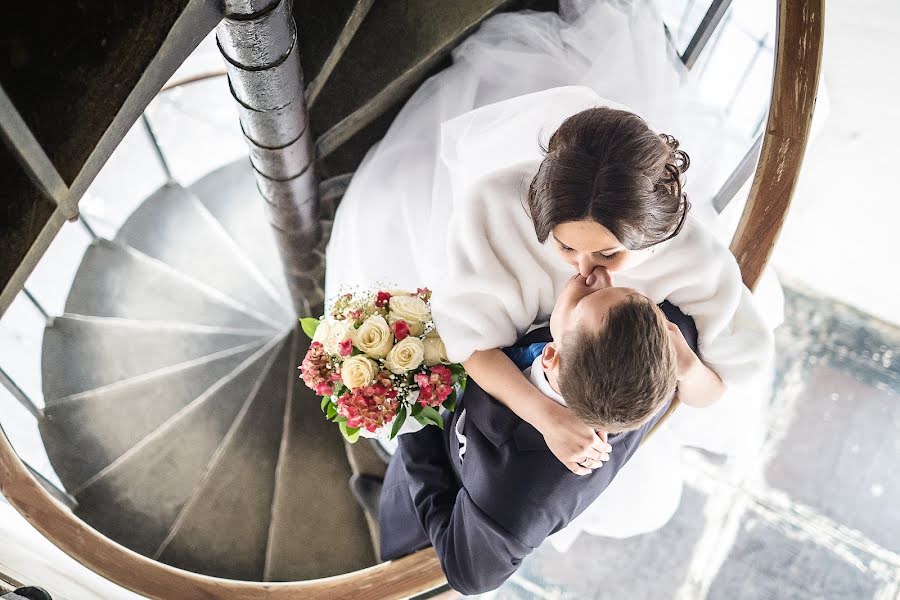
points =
(258, 39)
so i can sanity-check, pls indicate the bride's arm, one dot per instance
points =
(570, 440)
(698, 385)
(736, 343)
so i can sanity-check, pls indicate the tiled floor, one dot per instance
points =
(814, 511)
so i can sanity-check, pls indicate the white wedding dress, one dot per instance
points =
(393, 224)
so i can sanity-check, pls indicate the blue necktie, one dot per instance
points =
(524, 356)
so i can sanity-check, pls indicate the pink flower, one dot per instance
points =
(370, 407)
(346, 348)
(315, 370)
(401, 330)
(435, 386)
(443, 373)
(424, 293)
(383, 299)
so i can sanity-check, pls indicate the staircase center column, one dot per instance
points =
(258, 39)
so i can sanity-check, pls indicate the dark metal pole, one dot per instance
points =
(54, 490)
(258, 39)
(163, 163)
(88, 227)
(742, 172)
(714, 14)
(19, 394)
(36, 303)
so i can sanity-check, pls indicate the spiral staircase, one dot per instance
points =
(199, 465)
(171, 413)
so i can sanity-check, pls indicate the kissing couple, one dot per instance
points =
(519, 199)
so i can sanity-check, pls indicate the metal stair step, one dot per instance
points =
(137, 498)
(117, 281)
(86, 434)
(231, 195)
(364, 85)
(85, 353)
(223, 531)
(317, 529)
(174, 227)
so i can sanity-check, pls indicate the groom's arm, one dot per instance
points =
(476, 554)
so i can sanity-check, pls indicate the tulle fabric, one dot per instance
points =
(388, 228)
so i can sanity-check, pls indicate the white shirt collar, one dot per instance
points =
(535, 374)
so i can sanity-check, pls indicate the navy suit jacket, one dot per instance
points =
(484, 514)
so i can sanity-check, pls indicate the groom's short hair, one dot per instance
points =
(617, 378)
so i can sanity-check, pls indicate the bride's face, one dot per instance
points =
(588, 244)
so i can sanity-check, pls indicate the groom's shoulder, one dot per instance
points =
(516, 479)
(535, 336)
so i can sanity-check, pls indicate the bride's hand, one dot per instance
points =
(575, 444)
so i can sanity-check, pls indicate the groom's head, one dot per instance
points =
(611, 358)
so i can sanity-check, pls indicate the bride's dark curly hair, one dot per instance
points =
(608, 166)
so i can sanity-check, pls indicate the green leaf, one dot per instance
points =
(430, 414)
(309, 326)
(339, 389)
(416, 409)
(398, 422)
(450, 402)
(351, 434)
(332, 411)
(325, 402)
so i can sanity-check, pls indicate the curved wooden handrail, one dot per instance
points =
(401, 578)
(798, 61)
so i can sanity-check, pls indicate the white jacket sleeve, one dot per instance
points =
(495, 279)
(734, 339)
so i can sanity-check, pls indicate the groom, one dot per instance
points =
(486, 491)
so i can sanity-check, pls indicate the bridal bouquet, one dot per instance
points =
(376, 360)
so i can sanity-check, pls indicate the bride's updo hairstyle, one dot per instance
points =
(607, 165)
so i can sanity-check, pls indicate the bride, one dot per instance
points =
(469, 194)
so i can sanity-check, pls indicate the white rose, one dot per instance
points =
(374, 337)
(322, 331)
(337, 333)
(358, 371)
(435, 352)
(411, 309)
(407, 355)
